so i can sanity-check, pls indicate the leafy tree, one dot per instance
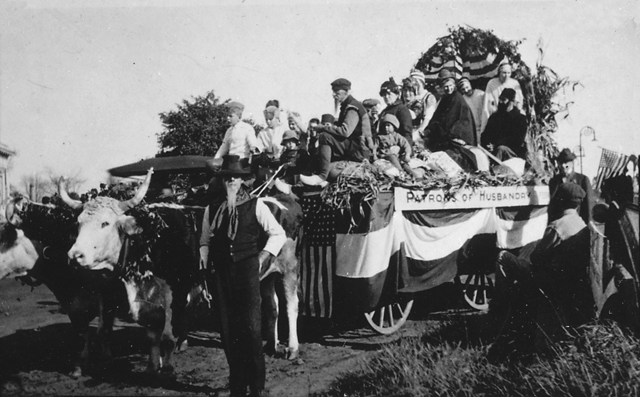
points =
(195, 128)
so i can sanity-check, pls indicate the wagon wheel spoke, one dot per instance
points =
(477, 291)
(389, 318)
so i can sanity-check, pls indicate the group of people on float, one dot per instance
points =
(452, 119)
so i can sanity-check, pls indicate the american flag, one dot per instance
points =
(611, 164)
(318, 257)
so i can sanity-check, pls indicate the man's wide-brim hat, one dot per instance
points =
(565, 156)
(233, 165)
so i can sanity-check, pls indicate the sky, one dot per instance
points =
(82, 82)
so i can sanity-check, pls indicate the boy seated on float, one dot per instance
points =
(294, 160)
(392, 146)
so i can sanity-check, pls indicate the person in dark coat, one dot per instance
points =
(390, 93)
(452, 122)
(346, 139)
(566, 173)
(506, 129)
(233, 232)
(555, 279)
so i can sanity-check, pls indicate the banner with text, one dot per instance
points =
(485, 197)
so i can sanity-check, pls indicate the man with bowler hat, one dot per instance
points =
(567, 173)
(233, 232)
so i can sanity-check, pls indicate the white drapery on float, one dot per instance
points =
(357, 264)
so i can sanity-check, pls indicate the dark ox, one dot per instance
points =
(82, 293)
(103, 229)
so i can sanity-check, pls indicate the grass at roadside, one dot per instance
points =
(600, 360)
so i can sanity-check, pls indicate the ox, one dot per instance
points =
(33, 255)
(107, 240)
(285, 270)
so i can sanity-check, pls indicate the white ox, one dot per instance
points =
(102, 228)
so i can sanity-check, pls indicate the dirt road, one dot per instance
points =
(35, 354)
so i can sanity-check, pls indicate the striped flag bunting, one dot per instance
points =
(361, 262)
(611, 164)
(479, 69)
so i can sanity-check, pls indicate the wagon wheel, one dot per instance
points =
(389, 318)
(477, 290)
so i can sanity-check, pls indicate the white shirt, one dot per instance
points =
(239, 140)
(274, 230)
(270, 140)
(492, 97)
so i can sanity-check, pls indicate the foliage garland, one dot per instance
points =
(539, 89)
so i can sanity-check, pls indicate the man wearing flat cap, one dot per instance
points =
(566, 173)
(371, 105)
(345, 140)
(494, 88)
(556, 276)
(506, 129)
(233, 233)
(240, 138)
(452, 123)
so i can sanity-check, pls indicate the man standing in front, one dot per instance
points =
(232, 232)
(346, 139)
(506, 130)
(566, 173)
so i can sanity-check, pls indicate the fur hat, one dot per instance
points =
(508, 93)
(327, 118)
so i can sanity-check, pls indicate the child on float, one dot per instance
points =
(392, 146)
(295, 161)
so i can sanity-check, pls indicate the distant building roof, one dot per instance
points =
(6, 151)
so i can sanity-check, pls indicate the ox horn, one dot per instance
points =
(142, 190)
(62, 190)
